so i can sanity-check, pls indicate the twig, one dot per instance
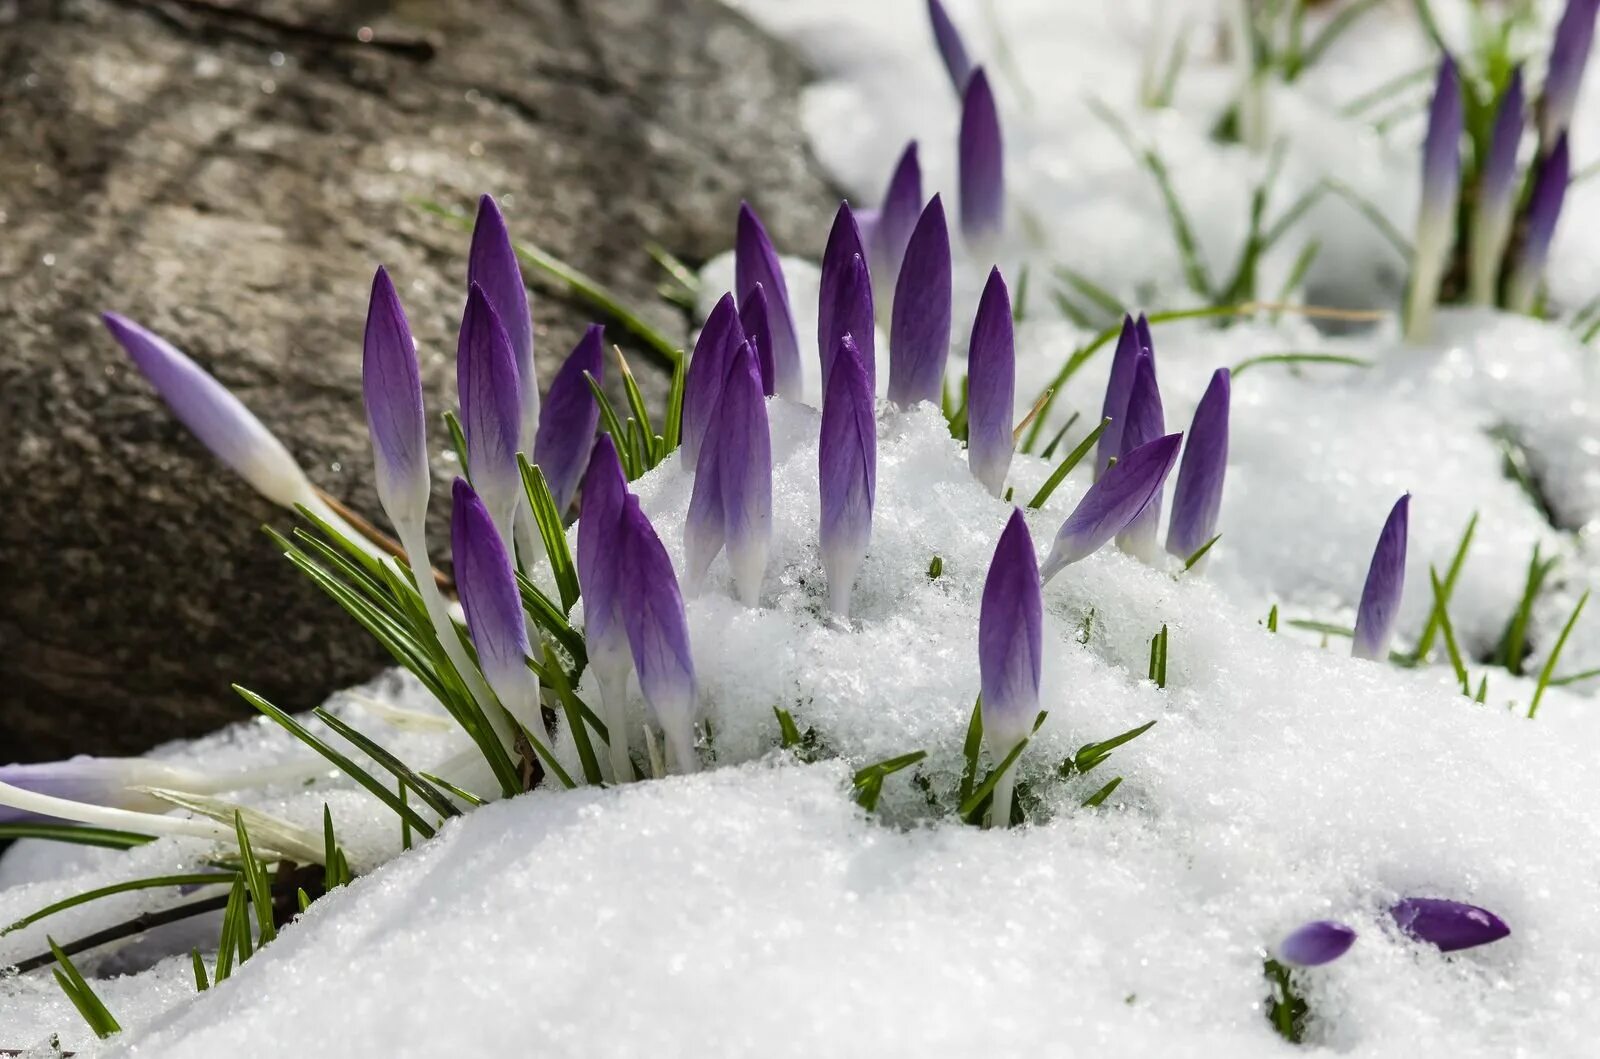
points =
(132, 928)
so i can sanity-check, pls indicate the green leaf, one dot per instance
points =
(552, 674)
(1158, 658)
(788, 731)
(102, 837)
(1442, 615)
(672, 429)
(868, 782)
(431, 795)
(1102, 298)
(255, 877)
(336, 759)
(630, 389)
(613, 426)
(1429, 631)
(1299, 358)
(972, 751)
(1513, 641)
(936, 568)
(201, 983)
(1091, 755)
(548, 519)
(1074, 457)
(975, 801)
(1272, 619)
(1555, 655)
(1200, 553)
(1098, 797)
(458, 442)
(1050, 449)
(128, 886)
(94, 1012)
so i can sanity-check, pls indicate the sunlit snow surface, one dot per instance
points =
(756, 911)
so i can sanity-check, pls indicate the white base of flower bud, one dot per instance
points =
(748, 561)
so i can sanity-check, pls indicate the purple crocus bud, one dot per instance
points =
(732, 500)
(567, 423)
(991, 386)
(1141, 328)
(702, 386)
(1449, 925)
(487, 583)
(1115, 405)
(1113, 502)
(492, 265)
(491, 407)
(391, 388)
(980, 157)
(919, 330)
(1497, 193)
(107, 781)
(605, 634)
(753, 317)
(1318, 942)
(1144, 422)
(1436, 215)
(1197, 500)
(844, 296)
(1386, 581)
(951, 49)
(755, 261)
(847, 472)
(1544, 210)
(214, 415)
(658, 633)
(902, 205)
(1569, 54)
(745, 469)
(1010, 650)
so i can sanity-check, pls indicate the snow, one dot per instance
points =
(754, 909)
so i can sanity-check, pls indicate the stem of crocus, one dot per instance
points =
(105, 816)
(320, 508)
(1000, 808)
(1427, 269)
(530, 547)
(414, 539)
(290, 772)
(680, 745)
(1489, 234)
(613, 680)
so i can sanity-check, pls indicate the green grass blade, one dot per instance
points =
(431, 796)
(128, 886)
(1299, 358)
(613, 426)
(1200, 552)
(336, 759)
(201, 983)
(672, 428)
(99, 837)
(548, 519)
(1074, 457)
(1549, 669)
(1443, 617)
(93, 1010)
(1513, 642)
(1098, 798)
(1452, 575)
(972, 750)
(255, 878)
(1107, 302)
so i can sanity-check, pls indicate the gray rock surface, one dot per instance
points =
(230, 177)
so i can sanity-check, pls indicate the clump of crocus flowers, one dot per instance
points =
(1485, 219)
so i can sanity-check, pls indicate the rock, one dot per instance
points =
(231, 178)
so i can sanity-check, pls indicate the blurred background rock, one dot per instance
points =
(230, 174)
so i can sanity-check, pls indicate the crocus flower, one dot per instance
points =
(951, 50)
(1197, 500)
(847, 472)
(491, 407)
(105, 781)
(391, 388)
(1145, 422)
(753, 318)
(702, 386)
(215, 416)
(844, 296)
(569, 418)
(1544, 209)
(487, 583)
(1436, 215)
(605, 634)
(1449, 925)
(845, 306)
(1120, 384)
(755, 261)
(1318, 942)
(1386, 581)
(492, 265)
(1010, 649)
(732, 500)
(1113, 502)
(1569, 54)
(991, 386)
(902, 205)
(658, 633)
(1497, 193)
(1141, 328)
(980, 157)
(919, 331)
